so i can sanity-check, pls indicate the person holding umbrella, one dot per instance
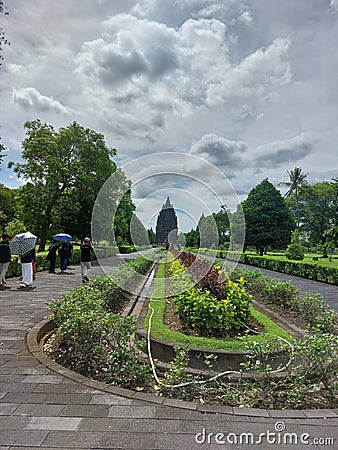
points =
(23, 244)
(27, 261)
(64, 250)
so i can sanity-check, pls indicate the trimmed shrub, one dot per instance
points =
(294, 250)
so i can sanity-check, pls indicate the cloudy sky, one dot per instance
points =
(249, 87)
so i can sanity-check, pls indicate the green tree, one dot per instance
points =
(319, 211)
(138, 232)
(72, 162)
(192, 238)
(151, 236)
(297, 182)
(7, 206)
(223, 225)
(268, 220)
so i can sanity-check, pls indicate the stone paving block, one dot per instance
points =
(47, 379)
(25, 397)
(64, 388)
(119, 391)
(148, 398)
(127, 441)
(105, 424)
(17, 387)
(178, 441)
(6, 409)
(68, 440)
(13, 422)
(38, 370)
(53, 423)
(322, 413)
(154, 425)
(132, 411)
(179, 404)
(285, 413)
(14, 378)
(163, 412)
(70, 399)
(86, 411)
(254, 412)
(219, 409)
(40, 410)
(23, 438)
(109, 399)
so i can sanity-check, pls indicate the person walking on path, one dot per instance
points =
(52, 256)
(27, 269)
(85, 260)
(5, 257)
(70, 248)
(63, 254)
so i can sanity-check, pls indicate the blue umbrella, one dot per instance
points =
(62, 237)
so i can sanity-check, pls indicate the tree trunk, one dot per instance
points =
(48, 219)
(261, 251)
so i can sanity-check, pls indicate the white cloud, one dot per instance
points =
(262, 70)
(31, 98)
(223, 153)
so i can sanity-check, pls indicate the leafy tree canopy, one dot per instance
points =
(72, 163)
(268, 220)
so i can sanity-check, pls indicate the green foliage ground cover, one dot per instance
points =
(159, 329)
(93, 340)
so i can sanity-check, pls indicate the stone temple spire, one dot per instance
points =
(166, 227)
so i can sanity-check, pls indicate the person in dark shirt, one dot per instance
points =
(27, 269)
(52, 251)
(85, 260)
(5, 257)
(63, 254)
(70, 249)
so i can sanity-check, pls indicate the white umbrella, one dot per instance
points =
(22, 243)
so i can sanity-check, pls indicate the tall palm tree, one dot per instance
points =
(296, 183)
(297, 179)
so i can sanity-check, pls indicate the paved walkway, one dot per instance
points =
(41, 407)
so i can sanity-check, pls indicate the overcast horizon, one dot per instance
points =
(249, 87)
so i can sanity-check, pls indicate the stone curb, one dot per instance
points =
(35, 334)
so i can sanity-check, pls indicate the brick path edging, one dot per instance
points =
(35, 334)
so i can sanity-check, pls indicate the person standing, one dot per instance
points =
(70, 250)
(27, 269)
(85, 259)
(5, 257)
(52, 256)
(63, 254)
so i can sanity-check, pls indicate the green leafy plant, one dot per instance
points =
(295, 250)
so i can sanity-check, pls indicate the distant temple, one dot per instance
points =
(166, 227)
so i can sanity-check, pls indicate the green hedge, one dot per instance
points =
(302, 269)
(127, 248)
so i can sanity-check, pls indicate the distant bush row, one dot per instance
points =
(302, 269)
